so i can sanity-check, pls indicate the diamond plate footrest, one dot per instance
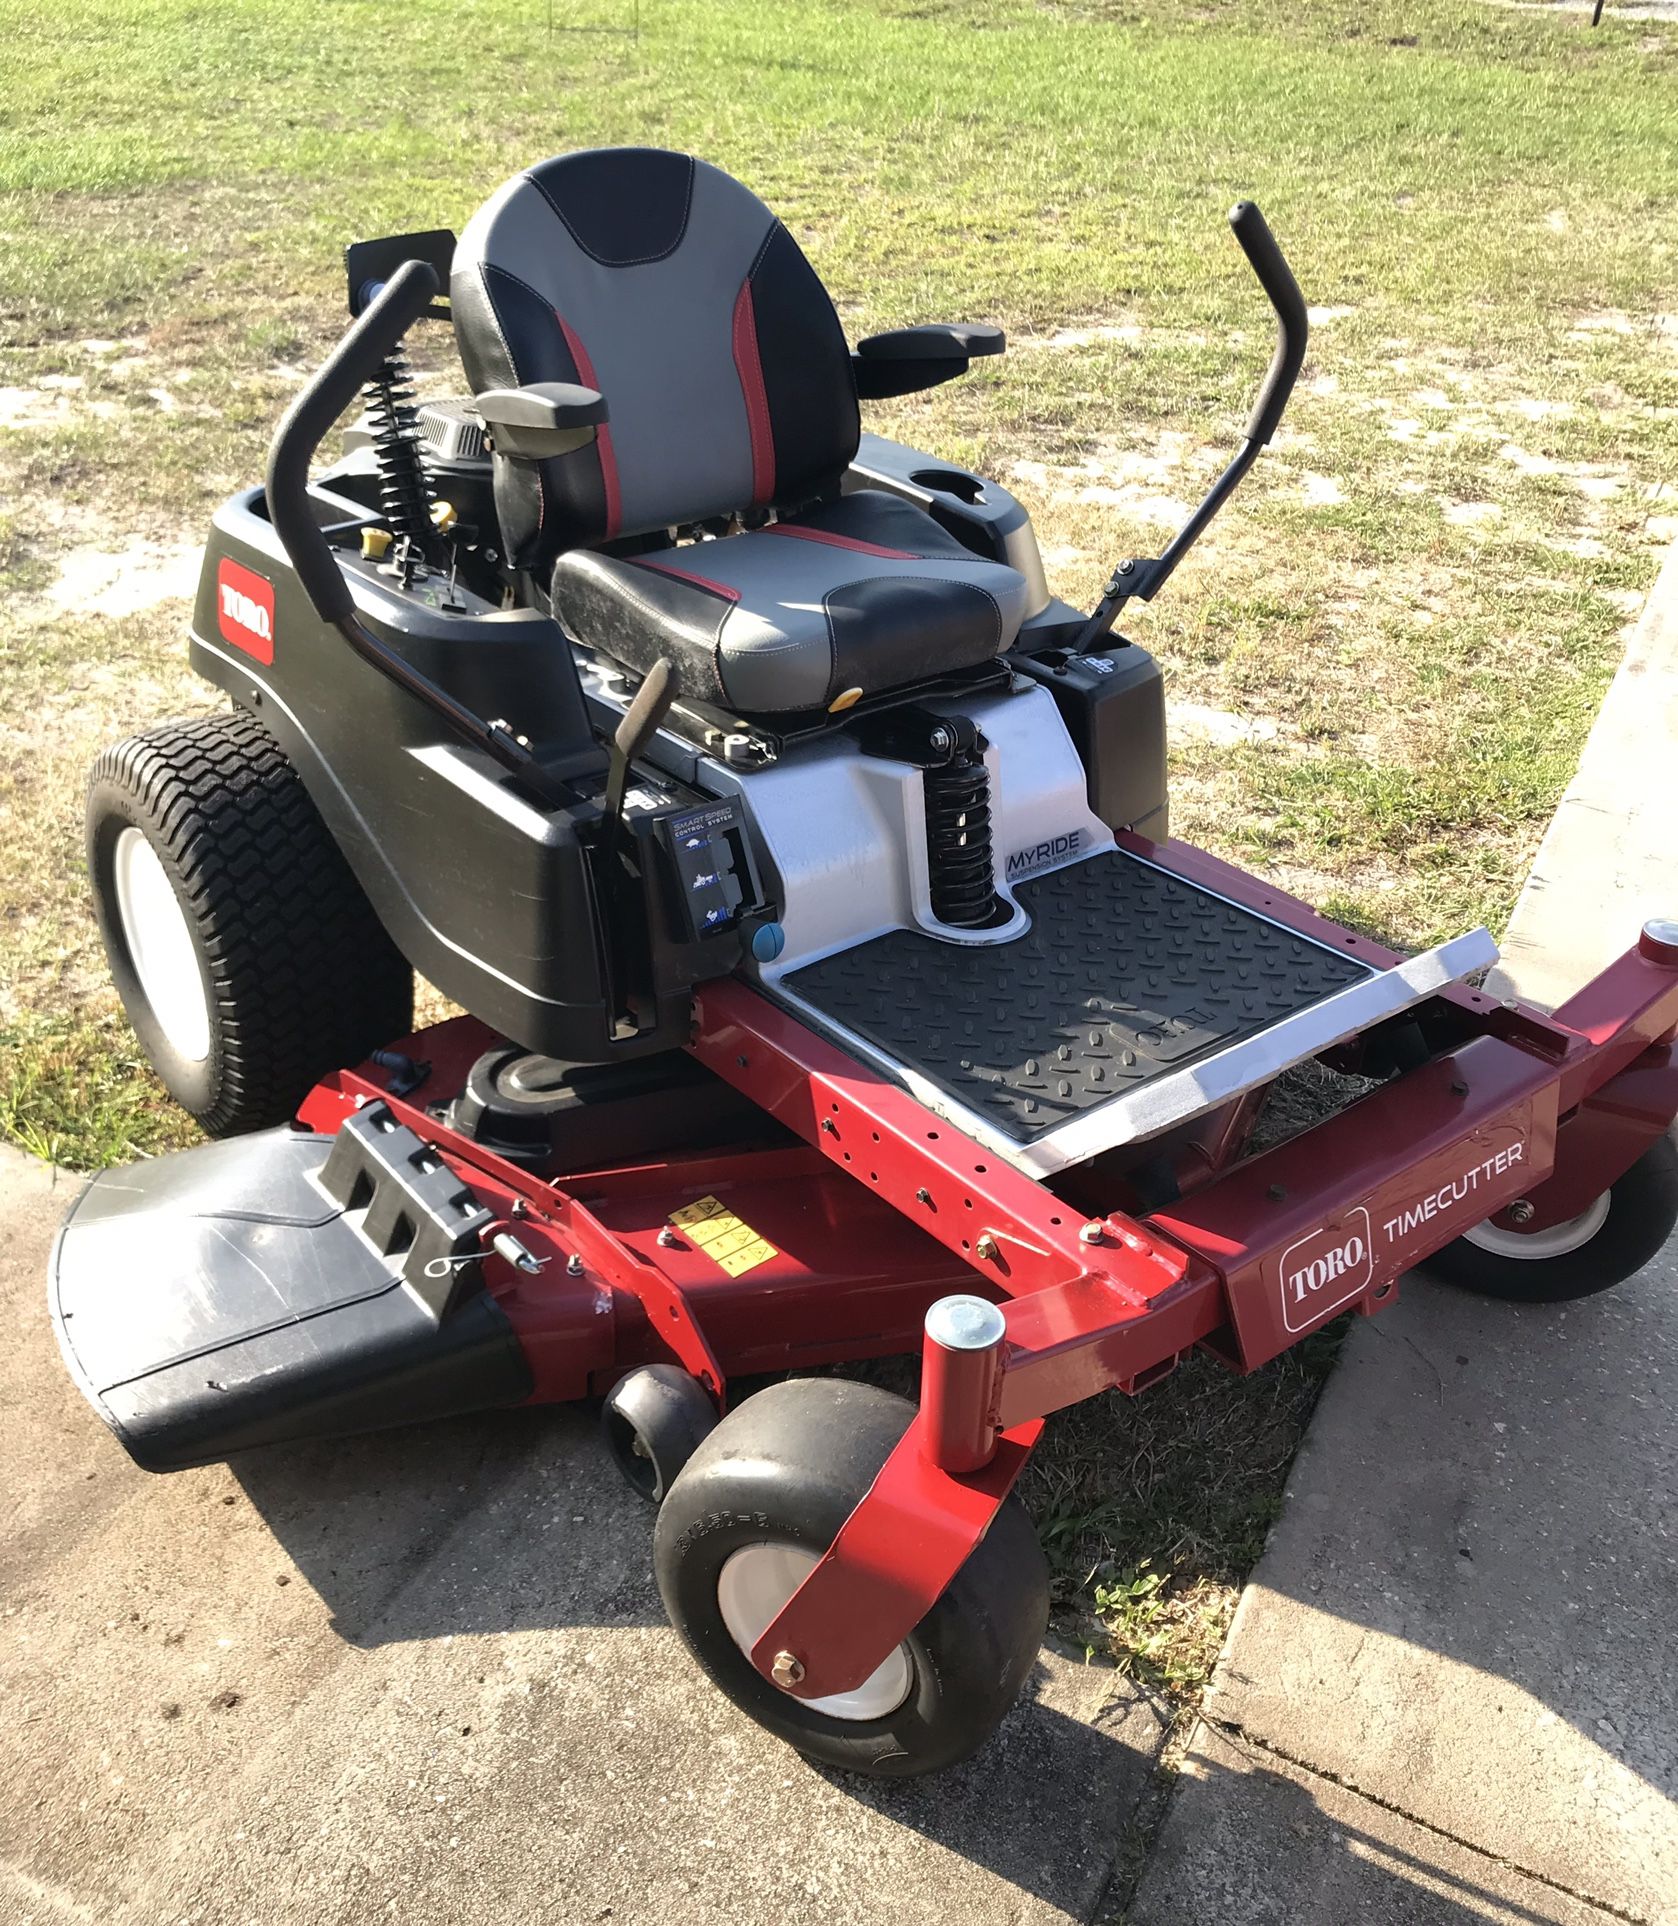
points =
(1135, 1001)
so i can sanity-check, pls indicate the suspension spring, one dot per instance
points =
(958, 842)
(404, 491)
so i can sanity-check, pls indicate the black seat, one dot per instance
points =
(664, 284)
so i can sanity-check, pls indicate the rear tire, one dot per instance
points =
(245, 953)
(760, 1501)
(1615, 1235)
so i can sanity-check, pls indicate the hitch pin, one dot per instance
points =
(519, 1255)
(504, 1244)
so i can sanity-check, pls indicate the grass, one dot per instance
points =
(1153, 1510)
(1405, 621)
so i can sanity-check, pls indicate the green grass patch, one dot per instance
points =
(1153, 1509)
(81, 1094)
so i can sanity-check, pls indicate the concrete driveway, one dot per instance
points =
(425, 1677)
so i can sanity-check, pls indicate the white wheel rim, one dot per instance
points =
(753, 1585)
(1531, 1246)
(159, 942)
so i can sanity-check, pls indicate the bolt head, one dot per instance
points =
(787, 1671)
(964, 1323)
(1091, 1233)
(988, 1248)
(669, 1238)
(1659, 941)
(1522, 1212)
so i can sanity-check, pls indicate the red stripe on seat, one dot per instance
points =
(749, 366)
(687, 575)
(841, 541)
(602, 434)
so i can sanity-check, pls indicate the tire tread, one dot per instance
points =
(304, 978)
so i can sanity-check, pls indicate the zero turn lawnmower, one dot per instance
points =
(835, 986)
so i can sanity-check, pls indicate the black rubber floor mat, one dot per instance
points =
(1125, 973)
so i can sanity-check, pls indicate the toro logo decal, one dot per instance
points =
(245, 609)
(1324, 1272)
(1327, 1269)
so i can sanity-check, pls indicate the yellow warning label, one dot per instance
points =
(722, 1237)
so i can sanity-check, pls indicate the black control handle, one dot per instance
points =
(340, 378)
(639, 725)
(1293, 330)
(1137, 580)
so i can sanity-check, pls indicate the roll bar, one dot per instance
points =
(355, 361)
(1136, 580)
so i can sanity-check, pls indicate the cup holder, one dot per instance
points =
(950, 481)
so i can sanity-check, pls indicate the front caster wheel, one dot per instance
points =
(654, 1420)
(760, 1502)
(1615, 1235)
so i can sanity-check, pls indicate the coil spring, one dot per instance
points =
(404, 492)
(958, 843)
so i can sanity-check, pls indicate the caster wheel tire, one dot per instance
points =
(247, 957)
(1614, 1236)
(654, 1420)
(760, 1502)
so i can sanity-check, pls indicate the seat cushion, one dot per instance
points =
(865, 593)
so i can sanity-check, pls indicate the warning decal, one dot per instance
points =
(735, 1246)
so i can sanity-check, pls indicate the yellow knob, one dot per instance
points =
(374, 542)
(845, 699)
(443, 515)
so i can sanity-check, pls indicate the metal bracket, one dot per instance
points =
(413, 1209)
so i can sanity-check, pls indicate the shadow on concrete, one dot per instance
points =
(497, 1522)
(1007, 1808)
(518, 1521)
(1470, 1612)
(1513, 1502)
(1251, 1844)
(1465, 1610)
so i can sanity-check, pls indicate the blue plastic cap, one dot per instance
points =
(768, 941)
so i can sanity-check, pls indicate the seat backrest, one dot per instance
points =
(666, 285)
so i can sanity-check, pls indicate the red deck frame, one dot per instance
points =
(883, 1207)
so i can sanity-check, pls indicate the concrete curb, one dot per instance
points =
(1443, 1697)
(1608, 859)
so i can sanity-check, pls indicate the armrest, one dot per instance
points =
(548, 418)
(904, 360)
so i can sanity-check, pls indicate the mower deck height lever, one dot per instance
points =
(1138, 580)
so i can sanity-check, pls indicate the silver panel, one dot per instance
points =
(847, 832)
